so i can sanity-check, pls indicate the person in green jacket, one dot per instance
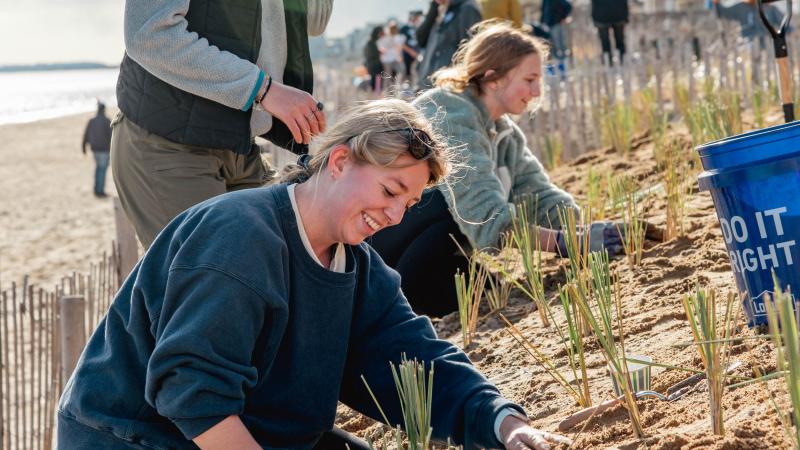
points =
(495, 74)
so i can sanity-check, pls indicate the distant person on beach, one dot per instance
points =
(556, 17)
(411, 49)
(195, 90)
(254, 313)
(445, 25)
(495, 74)
(611, 16)
(509, 10)
(98, 137)
(391, 46)
(372, 59)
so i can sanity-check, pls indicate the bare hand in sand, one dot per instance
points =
(518, 435)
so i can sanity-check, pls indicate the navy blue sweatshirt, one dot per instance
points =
(228, 314)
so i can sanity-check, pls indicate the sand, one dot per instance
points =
(50, 222)
(655, 321)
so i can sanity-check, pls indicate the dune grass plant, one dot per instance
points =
(782, 316)
(713, 341)
(469, 291)
(598, 311)
(525, 236)
(595, 194)
(617, 123)
(415, 393)
(571, 334)
(577, 244)
(714, 117)
(634, 227)
(759, 106)
(552, 151)
(500, 285)
(572, 340)
(677, 184)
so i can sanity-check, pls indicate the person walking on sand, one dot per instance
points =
(556, 16)
(254, 313)
(98, 136)
(495, 74)
(608, 16)
(195, 90)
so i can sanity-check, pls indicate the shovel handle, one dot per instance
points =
(585, 413)
(786, 88)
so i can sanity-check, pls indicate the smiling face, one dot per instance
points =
(366, 198)
(513, 92)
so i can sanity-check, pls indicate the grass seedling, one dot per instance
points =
(416, 398)
(499, 285)
(618, 188)
(676, 183)
(715, 117)
(682, 100)
(731, 108)
(553, 149)
(617, 123)
(577, 244)
(759, 106)
(595, 197)
(571, 335)
(634, 227)
(713, 341)
(526, 239)
(469, 290)
(581, 396)
(415, 393)
(600, 320)
(782, 317)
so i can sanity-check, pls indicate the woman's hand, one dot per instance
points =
(297, 109)
(518, 435)
(602, 235)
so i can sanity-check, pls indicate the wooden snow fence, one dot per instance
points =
(665, 52)
(43, 331)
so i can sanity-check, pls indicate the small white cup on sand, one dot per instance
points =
(638, 373)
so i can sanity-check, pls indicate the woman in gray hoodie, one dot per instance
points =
(495, 74)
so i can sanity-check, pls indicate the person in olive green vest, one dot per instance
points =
(194, 91)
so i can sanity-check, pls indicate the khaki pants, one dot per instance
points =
(157, 179)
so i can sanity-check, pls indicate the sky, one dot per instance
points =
(58, 31)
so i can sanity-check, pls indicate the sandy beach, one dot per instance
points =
(50, 223)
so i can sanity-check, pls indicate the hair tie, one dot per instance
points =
(302, 161)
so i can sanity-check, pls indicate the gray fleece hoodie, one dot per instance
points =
(499, 167)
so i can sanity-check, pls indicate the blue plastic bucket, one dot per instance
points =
(754, 180)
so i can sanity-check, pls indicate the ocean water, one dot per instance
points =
(36, 95)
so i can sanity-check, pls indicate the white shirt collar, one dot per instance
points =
(339, 261)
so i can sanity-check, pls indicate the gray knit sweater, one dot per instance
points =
(157, 38)
(499, 167)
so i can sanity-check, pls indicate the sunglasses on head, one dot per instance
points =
(420, 144)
